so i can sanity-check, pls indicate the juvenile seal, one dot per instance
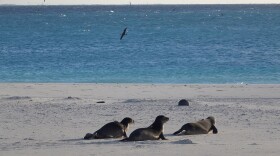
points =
(111, 130)
(203, 126)
(153, 132)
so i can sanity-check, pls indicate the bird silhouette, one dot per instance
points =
(123, 33)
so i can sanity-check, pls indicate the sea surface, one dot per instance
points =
(164, 44)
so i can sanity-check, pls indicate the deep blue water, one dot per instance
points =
(164, 44)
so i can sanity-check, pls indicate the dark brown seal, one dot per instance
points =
(111, 130)
(153, 132)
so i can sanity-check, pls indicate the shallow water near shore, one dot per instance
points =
(164, 44)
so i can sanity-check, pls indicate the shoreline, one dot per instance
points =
(135, 90)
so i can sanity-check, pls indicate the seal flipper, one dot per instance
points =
(124, 134)
(215, 130)
(125, 139)
(162, 137)
(177, 132)
(89, 136)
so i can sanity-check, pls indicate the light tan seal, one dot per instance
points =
(203, 126)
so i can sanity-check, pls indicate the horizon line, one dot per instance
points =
(138, 4)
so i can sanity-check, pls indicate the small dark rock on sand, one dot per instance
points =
(100, 102)
(183, 102)
(72, 98)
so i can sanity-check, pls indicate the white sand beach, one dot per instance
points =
(52, 118)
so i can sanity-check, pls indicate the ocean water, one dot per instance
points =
(164, 44)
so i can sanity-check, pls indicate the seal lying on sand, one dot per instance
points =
(153, 132)
(111, 130)
(200, 127)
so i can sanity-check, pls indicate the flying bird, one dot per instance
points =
(123, 33)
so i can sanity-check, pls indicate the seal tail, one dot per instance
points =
(177, 132)
(89, 136)
(215, 130)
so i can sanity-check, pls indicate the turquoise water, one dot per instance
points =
(164, 44)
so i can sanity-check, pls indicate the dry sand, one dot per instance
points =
(51, 119)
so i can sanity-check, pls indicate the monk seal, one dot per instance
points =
(153, 132)
(203, 126)
(111, 130)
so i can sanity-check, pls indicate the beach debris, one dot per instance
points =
(253, 144)
(138, 100)
(183, 102)
(19, 98)
(184, 141)
(72, 98)
(100, 102)
(28, 139)
(132, 101)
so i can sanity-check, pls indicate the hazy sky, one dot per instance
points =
(57, 2)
